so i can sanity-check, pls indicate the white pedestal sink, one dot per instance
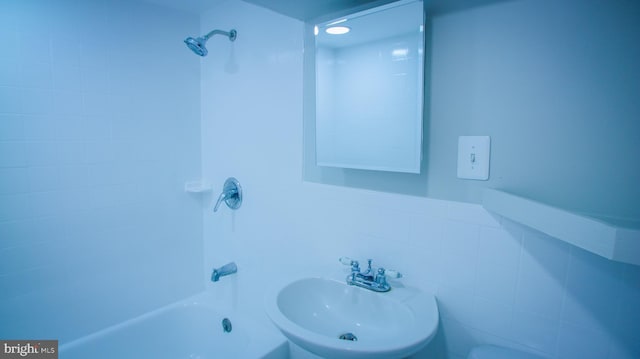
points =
(334, 320)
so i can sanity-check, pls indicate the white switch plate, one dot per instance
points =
(473, 157)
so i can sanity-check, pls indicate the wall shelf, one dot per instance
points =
(612, 239)
(197, 187)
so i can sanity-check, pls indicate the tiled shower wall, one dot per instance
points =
(496, 281)
(99, 129)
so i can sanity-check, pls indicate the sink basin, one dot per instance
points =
(335, 320)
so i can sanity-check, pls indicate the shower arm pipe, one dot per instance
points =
(230, 34)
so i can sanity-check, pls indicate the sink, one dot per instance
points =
(335, 320)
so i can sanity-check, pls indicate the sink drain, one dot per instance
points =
(348, 336)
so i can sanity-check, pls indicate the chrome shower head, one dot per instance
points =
(197, 45)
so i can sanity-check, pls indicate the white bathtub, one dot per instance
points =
(191, 329)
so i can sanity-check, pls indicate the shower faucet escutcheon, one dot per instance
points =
(231, 194)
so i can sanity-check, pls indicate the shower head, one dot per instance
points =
(197, 45)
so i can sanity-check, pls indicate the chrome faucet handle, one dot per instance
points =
(231, 194)
(380, 277)
(347, 261)
(390, 273)
(355, 266)
(221, 198)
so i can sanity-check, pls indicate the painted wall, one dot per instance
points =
(99, 129)
(555, 84)
(496, 281)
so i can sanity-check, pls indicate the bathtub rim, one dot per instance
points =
(261, 347)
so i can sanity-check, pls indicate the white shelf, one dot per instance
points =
(614, 240)
(197, 187)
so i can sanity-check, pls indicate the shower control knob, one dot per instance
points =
(231, 194)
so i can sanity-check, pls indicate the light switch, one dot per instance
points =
(473, 157)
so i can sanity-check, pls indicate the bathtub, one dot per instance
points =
(190, 329)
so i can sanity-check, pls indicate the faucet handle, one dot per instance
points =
(355, 266)
(346, 261)
(390, 273)
(231, 194)
(221, 198)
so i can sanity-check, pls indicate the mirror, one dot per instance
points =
(369, 88)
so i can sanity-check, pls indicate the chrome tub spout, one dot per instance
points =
(226, 269)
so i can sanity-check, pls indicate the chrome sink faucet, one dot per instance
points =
(376, 282)
(368, 275)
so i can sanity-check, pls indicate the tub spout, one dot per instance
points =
(226, 269)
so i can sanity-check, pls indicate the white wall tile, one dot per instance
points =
(44, 178)
(455, 304)
(62, 182)
(580, 342)
(67, 102)
(592, 282)
(41, 128)
(98, 151)
(14, 232)
(460, 254)
(36, 74)
(104, 174)
(11, 127)
(625, 347)
(38, 101)
(542, 274)
(625, 337)
(94, 78)
(425, 240)
(9, 68)
(14, 180)
(67, 77)
(426, 231)
(13, 154)
(66, 52)
(97, 104)
(45, 229)
(498, 263)
(34, 29)
(471, 213)
(15, 207)
(492, 317)
(458, 338)
(535, 331)
(11, 99)
(71, 127)
(629, 294)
